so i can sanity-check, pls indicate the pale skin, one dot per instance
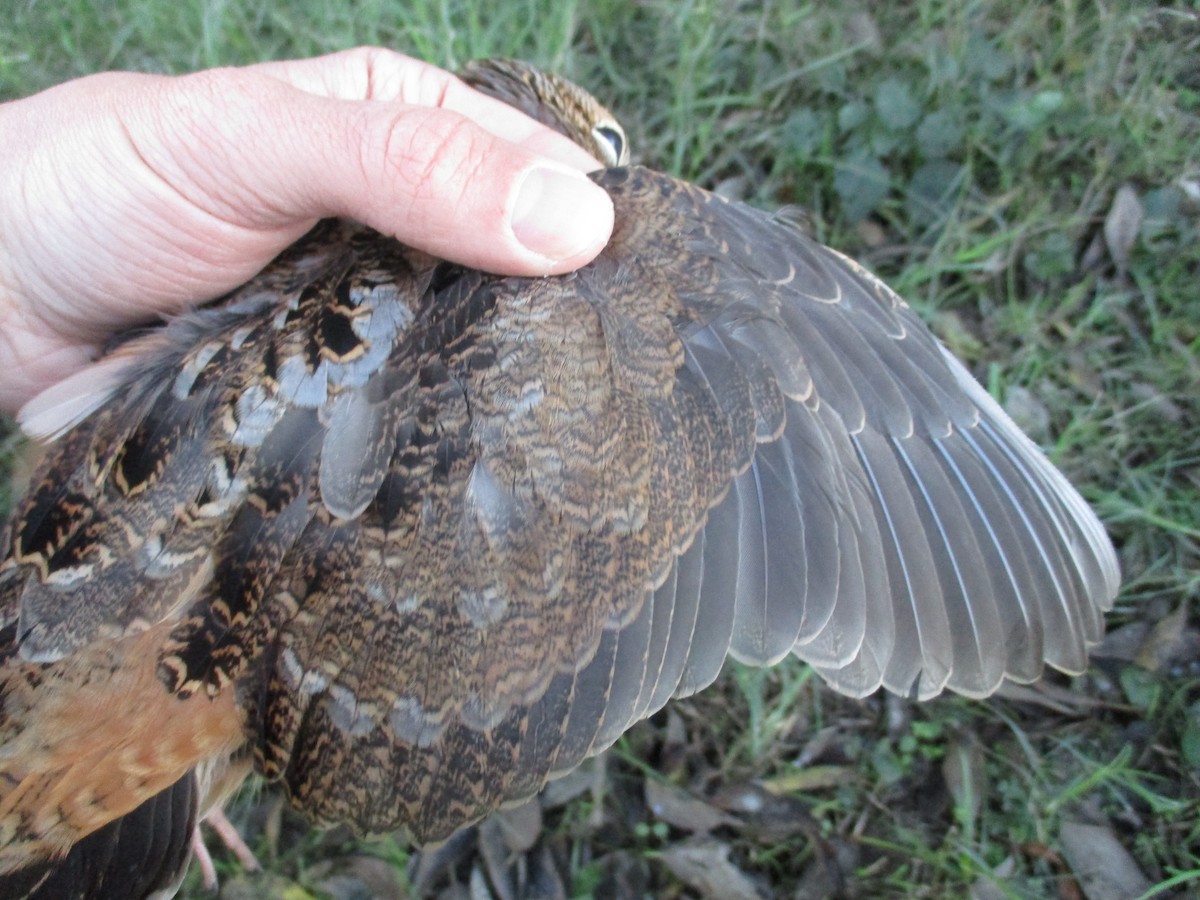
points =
(126, 197)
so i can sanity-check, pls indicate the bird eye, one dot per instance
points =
(610, 140)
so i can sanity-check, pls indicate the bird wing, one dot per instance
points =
(442, 534)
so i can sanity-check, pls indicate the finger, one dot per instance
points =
(256, 152)
(374, 73)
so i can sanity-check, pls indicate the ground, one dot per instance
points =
(1028, 176)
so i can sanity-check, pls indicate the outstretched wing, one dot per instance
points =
(717, 438)
(445, 534)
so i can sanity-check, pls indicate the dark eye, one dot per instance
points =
(610, 140)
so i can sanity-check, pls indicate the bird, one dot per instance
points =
(410, 539)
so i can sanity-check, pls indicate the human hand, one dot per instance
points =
(126, 197)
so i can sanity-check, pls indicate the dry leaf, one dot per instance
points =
(681, 809)
(820, 743)
(497, 860)
(1049, 696)
(1123, 643)
(1104, 868)
(521, 825)
(768, 815)
(1163, 640)
(704, 865)
(1121, 226)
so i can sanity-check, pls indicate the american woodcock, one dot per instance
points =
(412, 539)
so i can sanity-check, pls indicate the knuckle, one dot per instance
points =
(204, 106)
(202, 93)
(420, 155)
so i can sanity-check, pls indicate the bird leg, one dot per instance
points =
(225, 830)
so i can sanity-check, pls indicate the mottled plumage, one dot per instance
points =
(412, 538)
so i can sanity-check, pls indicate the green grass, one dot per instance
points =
(968, 152)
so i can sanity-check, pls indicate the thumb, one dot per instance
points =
(259, 153)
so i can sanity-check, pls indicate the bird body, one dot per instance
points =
(412, 539)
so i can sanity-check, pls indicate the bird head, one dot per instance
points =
(553, 101)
